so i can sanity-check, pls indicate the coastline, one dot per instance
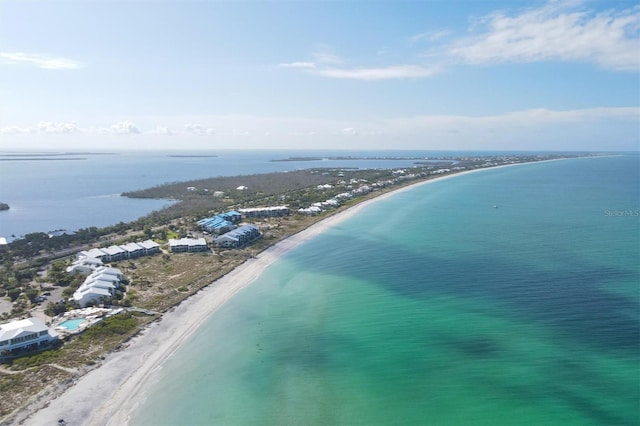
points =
(108, 394)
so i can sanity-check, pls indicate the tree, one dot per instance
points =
(54, 309)
(148, 232)
(31, 294)
(13, 293)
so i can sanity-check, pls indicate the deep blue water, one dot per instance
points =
(433, 307)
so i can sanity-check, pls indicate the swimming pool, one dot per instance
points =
(72, 324)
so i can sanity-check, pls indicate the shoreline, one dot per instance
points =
(109, 393)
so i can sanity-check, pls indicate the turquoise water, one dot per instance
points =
(435, 308)
(72, 324)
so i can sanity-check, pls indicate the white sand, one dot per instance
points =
(106, 395)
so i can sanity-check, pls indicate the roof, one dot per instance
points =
(94, 253)
(16, 328)
(99, 283)
(88, 261)
(149, 244)
(241, 231)
(113, 250)
(108, 270)
(188, 242)
(227, 237)
(96, 291)
(132, 247)
(264, 209)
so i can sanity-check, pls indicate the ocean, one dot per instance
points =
(78, 190)
(504, 297)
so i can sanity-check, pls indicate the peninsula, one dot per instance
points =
(181, 288)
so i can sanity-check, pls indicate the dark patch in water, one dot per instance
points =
(572, 302)
(474, 347)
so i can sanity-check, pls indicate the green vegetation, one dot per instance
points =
(118, 325)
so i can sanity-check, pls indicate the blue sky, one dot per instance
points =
(481, 75)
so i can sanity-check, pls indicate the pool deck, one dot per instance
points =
(90, 315)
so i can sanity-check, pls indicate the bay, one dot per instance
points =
(79, 190)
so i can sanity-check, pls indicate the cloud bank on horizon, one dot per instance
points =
(560, 75)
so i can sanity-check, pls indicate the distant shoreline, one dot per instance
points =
(191, 156)
(43, 159)
(347, 158)
(108, 394)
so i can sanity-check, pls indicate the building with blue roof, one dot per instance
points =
(232, 216)
(238, 237)
(220, 223)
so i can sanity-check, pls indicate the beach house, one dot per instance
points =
(216, 224)
(188, 245)
(220, 223)
(84, 266)
(149, 247)
(98, 287)
(26, 334)
(115, 253)
(274, 211)
(238, 237)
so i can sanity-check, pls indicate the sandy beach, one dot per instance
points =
(107, 395)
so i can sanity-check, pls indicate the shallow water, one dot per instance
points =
(434, 307)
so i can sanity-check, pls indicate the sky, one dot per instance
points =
(378, 75)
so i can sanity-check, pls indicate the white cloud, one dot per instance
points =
(41, 61)
(327, 58)
(393, 72)
(556, 31)
(303, 65)
(605, 128)
(16, 130)
(124, 128)
(57, 127)
(198, 130)
(161, 130)
(532, 117)
(329, 65)
(430, 36)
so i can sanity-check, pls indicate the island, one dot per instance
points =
(4, 206)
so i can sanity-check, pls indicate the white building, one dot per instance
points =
(187, 244)
(115, 253)
(85, 295)
(108, 271)
(94, 253)
(274, 211)
(26, 334)
(84, 266)
(310, 210)
(98, 287)
(150, 247)
(133, 250)
(127, 251)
